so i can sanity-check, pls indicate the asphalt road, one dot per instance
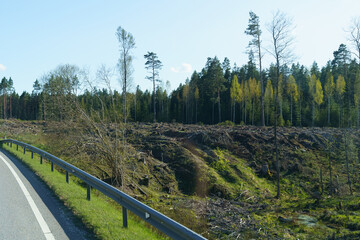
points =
(29, 209)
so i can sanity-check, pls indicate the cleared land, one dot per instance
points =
(220, 180)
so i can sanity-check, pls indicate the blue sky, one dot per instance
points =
(37, 36)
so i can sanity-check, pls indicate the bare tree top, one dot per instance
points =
(354, 36)
(281, 28)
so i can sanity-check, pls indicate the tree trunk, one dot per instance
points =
(340, 114)
(291, 111)
(196, 111)
(330, 171)
(267, 114)
(275, 131)
(347, 163)
(253, 111)
(329, 111)
(245, 111)
(281, 109)
(135, 108)
(231, 110)
(44, 108)
(313, 113)
(4, 106)
(124, 88)
(219, 106)
(186, 110)
(154, 98)
(234, 115)
(10, 107)
(358, 116)
(213, 106)
(261, 85)
(300, 113)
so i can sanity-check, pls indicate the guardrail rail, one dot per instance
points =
(165, 224)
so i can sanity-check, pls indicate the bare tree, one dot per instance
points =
(102, 131)
(354, 37)
(127, 43)
(280, 29)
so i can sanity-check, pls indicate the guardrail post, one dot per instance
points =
(32, 154)
(40, 159)
(11, 144)
(24, 150)
(67, 176)
(17, 147)
(88, 192)
(52, 166)
(124, 212)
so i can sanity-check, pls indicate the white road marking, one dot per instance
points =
(44, 227)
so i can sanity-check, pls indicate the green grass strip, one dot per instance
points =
(102, 215)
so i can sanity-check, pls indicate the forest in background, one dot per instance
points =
(251, 95)
(307, 97)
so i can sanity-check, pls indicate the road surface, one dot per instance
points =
(29, 209)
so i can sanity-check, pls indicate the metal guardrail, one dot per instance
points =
(165, 224)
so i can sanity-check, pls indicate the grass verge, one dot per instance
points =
(102, 215)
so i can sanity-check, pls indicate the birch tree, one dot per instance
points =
(235, 94)
(280, 29)
(268, 98)
(292, 91)
(126, 44)
(354, 37)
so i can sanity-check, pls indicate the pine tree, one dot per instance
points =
(196, 96)
(254, 30)
(185, 95)
(153, 65)
(4, 88)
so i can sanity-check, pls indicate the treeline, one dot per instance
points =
(307, 97)
(329, 96)
(283, 94)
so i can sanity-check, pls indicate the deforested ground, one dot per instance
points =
(221, 180)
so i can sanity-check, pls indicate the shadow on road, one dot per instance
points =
(71, 224)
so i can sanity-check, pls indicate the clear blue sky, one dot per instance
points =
(37, 36)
